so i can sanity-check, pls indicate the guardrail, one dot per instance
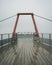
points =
(6, 38)
(45, 38)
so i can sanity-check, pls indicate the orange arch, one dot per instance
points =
(32, 15)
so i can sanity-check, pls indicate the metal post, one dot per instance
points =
(1, 39)
(49, 39)
(35, 26)
(42, 37)
(8, 38)
(15, 26)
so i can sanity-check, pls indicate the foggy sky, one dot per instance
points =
(12, 7)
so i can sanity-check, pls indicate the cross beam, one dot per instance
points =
(25, 14)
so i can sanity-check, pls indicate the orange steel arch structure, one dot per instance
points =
(35, 26)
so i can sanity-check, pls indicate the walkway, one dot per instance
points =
(27, 53)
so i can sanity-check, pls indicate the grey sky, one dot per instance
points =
(11, 7)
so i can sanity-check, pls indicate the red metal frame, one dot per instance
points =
(35, 26)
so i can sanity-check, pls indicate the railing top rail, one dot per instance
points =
(24, 33)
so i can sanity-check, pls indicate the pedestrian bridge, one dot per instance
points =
(26, 49)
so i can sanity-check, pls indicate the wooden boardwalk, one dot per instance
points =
(27, 53)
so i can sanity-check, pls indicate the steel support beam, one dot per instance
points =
(25, 14)
(13, 33)
(35, 26)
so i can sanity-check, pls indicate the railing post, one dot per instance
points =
(42, 37)
(8, 38)
(49, 39)
(1, 39)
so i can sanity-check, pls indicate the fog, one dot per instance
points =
(12, 7)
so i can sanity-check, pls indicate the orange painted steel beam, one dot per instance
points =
(13, 33)
(25, 14)
(35, 26)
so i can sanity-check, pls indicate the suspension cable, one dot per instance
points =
(8, 18)
(43, 18)
(33, 14)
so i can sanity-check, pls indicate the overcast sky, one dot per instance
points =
(39, 7)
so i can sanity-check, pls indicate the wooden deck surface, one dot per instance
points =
(27, 53)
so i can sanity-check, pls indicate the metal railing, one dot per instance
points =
(7, 39)
(44, 37)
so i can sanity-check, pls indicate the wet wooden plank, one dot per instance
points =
(26, 54)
